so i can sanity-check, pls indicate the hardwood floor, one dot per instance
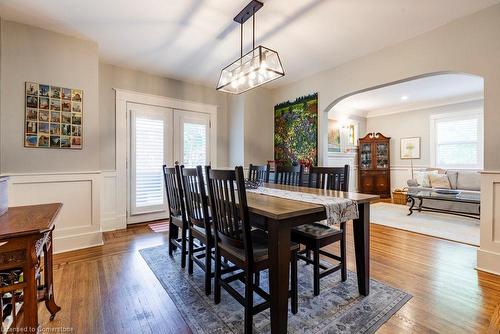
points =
(110, 289)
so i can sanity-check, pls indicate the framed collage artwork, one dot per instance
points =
(53, 117)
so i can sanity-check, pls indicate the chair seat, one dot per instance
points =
(260, 244)
(199, 232)
(178, 221)
(316, 230)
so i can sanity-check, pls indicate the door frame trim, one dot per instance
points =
(122, 98)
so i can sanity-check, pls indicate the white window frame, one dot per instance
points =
(457, 115)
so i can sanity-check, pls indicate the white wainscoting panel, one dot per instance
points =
(341, 159)
(78, 223)
(488, 255)
(110, 218)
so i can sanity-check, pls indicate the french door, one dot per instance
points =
(158, 136)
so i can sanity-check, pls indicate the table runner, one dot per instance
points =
(338, 210)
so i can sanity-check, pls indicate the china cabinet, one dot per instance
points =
(374, 165)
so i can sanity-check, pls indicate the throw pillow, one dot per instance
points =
(453, 177)
(439, 181)
(423, 178)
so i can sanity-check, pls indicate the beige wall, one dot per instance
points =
(469, 45)
(251, 120)
(111, 76)
(37, 55)
(236, 133)
(415, 123)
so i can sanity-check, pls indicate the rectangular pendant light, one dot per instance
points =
(257, 67)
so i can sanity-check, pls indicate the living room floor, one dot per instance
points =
(120, 294)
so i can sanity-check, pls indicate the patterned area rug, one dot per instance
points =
(338, 309)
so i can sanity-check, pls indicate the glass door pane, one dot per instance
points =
(382, 155)
(366, 156)
(193, 140)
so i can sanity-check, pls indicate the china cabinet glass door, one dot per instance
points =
(382, 155)
(366, 156)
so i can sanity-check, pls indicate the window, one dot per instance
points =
(457, 140)
(195, 144)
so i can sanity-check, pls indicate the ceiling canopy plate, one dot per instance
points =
(248, 11)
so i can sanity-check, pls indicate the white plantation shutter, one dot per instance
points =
(458, 140)
(195, 144)
(149, 145)
(149, 161)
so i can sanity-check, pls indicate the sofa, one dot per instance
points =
(464, 181)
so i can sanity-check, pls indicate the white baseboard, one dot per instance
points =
(488, 262)
(78, 241)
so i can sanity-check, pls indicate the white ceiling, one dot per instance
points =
(410, 95)
(193, 39)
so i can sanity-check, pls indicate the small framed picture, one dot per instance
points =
(55, 92)
(31, 88)
(66, 117)
(44, 103)
(43, 115)
(55, 141)
(31, 101)
(76, 106)
(65, 93)
(55, 129)
(76, 95)
(44, 90)
(43, 141)
(31, 114)
(43, 128)
(55, 104)
(55, 117)
(410, 148)
(76, 119)
(31, 140)
(65, 105)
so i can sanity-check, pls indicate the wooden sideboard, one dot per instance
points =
(26, 235)
(374, 166)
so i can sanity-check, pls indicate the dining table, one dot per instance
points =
(279, 215)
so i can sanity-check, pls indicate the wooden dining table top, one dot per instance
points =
(278, 208)
(30, 219)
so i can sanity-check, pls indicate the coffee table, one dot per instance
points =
(460, 197)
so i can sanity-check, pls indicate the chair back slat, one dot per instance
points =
(259, 173)
(193, 185)
(289, 175)
(173, 188)
(229, 208)
(332, 178)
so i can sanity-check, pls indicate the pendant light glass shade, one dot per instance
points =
(257, 67)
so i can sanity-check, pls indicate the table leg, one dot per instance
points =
(30, 297)
(412, 200)
(279, 258)
(361, 228)
(48, 279)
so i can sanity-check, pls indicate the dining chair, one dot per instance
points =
(316, 236)
(177, 210)
(289, 175)
(259, 173)
(193, 187)
(243, 246)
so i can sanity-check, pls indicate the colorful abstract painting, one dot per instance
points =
(296, 131)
